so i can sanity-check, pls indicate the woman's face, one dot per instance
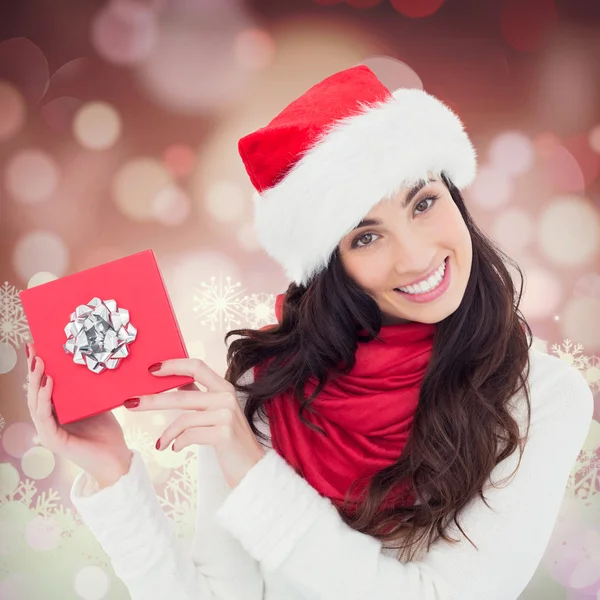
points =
(406, 243)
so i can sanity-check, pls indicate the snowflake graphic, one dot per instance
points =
(223, 305)
(13, 324)
(584, 479)
(589, 366)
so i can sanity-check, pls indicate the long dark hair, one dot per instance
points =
(462, 427)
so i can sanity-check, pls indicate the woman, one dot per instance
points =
(410, 442)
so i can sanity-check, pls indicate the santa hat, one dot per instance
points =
(335, 152)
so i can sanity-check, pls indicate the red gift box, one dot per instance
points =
(135, 284)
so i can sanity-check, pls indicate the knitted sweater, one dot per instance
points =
(274, 537)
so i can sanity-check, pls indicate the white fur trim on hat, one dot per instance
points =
(358, 162)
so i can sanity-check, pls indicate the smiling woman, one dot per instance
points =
(398, 395)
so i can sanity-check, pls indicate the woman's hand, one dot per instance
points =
(214, 417)
(96, 444)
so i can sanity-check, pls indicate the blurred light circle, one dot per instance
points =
(588, 285)
(24, 64)
(193, 69)
(491, 188)
(246, 236)
(40, 250)
(569, 231)
(225, 201)
(18, 438)
(393, 73)
(254, 49)
(594, 139)
(31, 176)
(8, 358)
(526, 25)
(125, 33)
(12, 111)
(171, 205)
(179, 159)
(97, 126)
(59, 113)
(563, 171)
(581, 322)
(43, 533)
(588, 161)
(511, 152)
(546, 143)
(417, 9)
(40, 277)
(514, 229)
(92, 582)
(38, 462)
(136, 186)
(542, 293)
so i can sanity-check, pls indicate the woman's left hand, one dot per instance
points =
(214, 418)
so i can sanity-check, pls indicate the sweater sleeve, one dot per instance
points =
(145, 551)
(291, 529)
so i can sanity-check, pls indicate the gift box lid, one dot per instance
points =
(135, 284)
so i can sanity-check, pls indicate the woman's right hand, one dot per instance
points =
(96, 444)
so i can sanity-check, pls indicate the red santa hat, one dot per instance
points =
(335, 152)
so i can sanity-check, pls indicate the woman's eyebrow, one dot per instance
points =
(411, 194)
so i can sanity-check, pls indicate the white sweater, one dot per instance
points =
(274, 537)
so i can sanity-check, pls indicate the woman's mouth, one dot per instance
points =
(429, 289)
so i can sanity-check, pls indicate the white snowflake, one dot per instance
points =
(224, 305)
(589, 366)
(13, 324)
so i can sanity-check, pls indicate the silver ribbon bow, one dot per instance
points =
(98, 334)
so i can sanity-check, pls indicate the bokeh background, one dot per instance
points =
(119, 123)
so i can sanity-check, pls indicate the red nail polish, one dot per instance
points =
(33, 364)
(158, 444)
(27, 350)
(154, 367)
(131, 403)
(44, 378)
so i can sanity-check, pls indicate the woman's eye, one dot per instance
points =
(424, 201)
(362, 237)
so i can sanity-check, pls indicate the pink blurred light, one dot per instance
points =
(31, 176)
(512, 152)
(66, 80)
(12, 111)
(594, 139)
(171, 206)
(587, 159)
(417, 9)
(59, 113)
(563, 171)
(124, 33)
(254, 49)
(393, 73)
(23, 63)
(193, 68)
(179, 159)
(526, 25)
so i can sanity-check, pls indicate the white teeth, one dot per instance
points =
(427, 284)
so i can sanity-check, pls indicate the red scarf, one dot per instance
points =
(367, 415)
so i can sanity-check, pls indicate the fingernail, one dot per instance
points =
(33, 364)
(44, 378)
(131, 403)
(27, 350)
(154, 367)
(158, 444)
